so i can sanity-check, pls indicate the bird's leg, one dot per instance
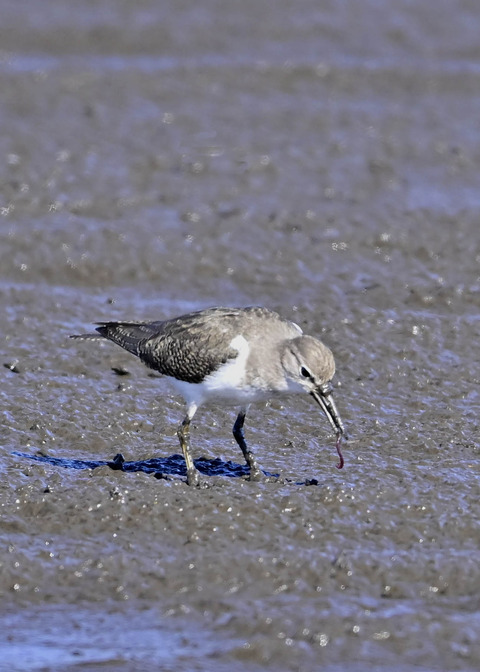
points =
(183, 434)
(255, 473)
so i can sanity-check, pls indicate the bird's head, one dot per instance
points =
(309, 366)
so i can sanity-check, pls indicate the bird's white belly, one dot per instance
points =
(202, 393)
(227, 384)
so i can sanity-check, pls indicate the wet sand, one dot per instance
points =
(323, 162)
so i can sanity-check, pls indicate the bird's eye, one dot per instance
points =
(305, 372)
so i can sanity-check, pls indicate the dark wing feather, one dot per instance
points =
(128, 335)
(190, 347)
(187, 348)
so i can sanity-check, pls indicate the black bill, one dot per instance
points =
(323, 397)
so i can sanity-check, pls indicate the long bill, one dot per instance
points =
(323, 397)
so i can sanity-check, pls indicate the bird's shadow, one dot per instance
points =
(160, 467)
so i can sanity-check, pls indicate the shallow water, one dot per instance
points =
(322, 161)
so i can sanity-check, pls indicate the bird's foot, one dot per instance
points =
(275, 478)
(255, 475)
(193, 479)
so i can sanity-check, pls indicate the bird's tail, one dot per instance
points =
(87, 337)
(127, 335)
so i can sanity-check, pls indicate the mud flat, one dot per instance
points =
(162, 157)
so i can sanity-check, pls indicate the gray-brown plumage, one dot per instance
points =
(230, 355)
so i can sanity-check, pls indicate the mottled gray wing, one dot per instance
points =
(193, 346)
